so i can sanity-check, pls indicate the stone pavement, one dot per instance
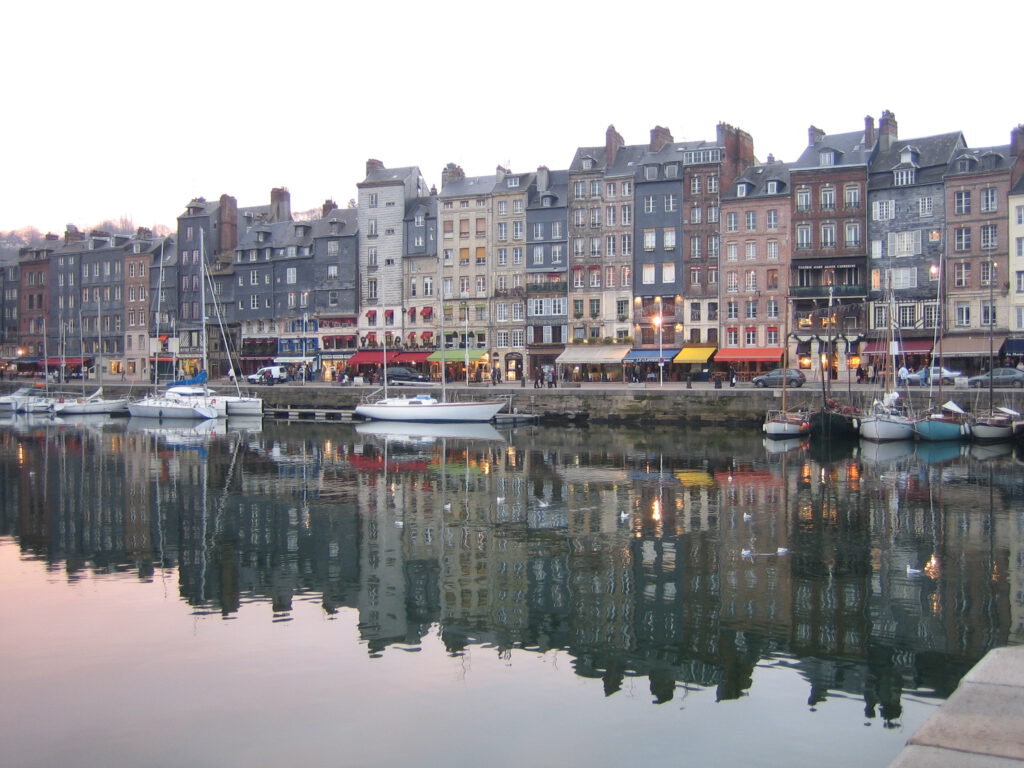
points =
(981, 725)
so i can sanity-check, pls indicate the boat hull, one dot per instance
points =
(402, 409)
(830, 424)
(991, 431)
(780, 425)
(167, 408)
(84, 406)
(886, 428)
(938, 429)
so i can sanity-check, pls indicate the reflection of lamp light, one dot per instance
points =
(657, 320)
(20, 352)
(853, 362)
(805, 361)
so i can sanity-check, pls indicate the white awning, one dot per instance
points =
(593, 354)
(293, 360)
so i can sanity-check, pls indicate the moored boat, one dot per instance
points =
(427, 408)
(779, 424)
(947, 422)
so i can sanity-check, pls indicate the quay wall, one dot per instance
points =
(642, 404)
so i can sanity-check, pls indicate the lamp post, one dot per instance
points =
(658, 320)
(465, 340)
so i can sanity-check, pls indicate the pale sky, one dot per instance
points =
(133, 108)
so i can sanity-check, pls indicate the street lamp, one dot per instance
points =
(465, 340)
(658, 320)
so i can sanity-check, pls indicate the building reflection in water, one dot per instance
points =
(686, 558)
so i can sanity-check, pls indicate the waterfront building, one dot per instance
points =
(384, 199)
(34, 302)
(521, 236)
(9, 306)
(335, 288)
(1015, 211)
(828, 263)
(142, 250)
(756, 249)
(977, 187)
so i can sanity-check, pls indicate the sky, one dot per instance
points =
(128, 109)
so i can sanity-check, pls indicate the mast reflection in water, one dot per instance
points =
(777, 598)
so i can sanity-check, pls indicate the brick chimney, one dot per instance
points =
(451, 173)
(869, 132)
(72, 235)
(500, 173)
(613, 142)
(328, 206)
(660, 138)
(1017, 141)
(814, 135)
(543, 178)
(280, 204)
(887, 131)
(228, 229)
(373, 165)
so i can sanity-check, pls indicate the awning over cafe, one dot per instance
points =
(695, 353)
(971, 345)
(749, 355)
(596, 354)
(906, 347)
(650, 355)
(372, 357)
(457, 355)
(412, 357)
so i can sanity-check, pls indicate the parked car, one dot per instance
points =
(399, 374)
(933, 375)
(792, 376)
(268, 374)
(1001, 377)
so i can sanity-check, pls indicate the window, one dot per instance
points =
(883, 210)
(374, 200)
(595, 246)
(750, 337)
(668, 238)
(627, 188)
(538, 254)
(732, 337)
(906, 315)
(579, 190)
(371, 227)
(651, 172)
(751, 220)
(732, 251)
(903, 177)
(712, 214)
(609, 245)
(989, 237)
(502, 231)
(517, 230)
(751, 309)
(772, 247)
(905, 243)
(609, 216)
(332, 271)
(803, 200)
(648, 274)
(987, 272)
(371, 256)
(750, 280)
(371, 288)
(610, 189)
(668, 272)
(595, 217)
(577, 277)
(627, 215)
(627, 245)
(609, 277)
(671, 203)
(828, 198)
(595, 278)
(1019, 278)
(772, 219)
(852, 237)
(291, 276)
(925, 207)
(826, 157)
(695, 185)
(695, 241)
(988, 313)
(851, 196)
(803, 237)
(695, 214)
(732, 222)
(750, 250)
(712, 185)
(962, 314)
(961, 202)
(962, 239)
(648, 203)
(828, 235)
(650, 239)
(732, 282)
(961, 274)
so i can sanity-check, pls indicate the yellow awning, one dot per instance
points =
(694, 353)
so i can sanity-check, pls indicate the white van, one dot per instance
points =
(268, 374)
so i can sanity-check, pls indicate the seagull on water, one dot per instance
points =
(747, 517)
(623, 515)
(747, 554)
(500, 499)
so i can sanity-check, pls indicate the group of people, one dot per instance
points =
(542, 377)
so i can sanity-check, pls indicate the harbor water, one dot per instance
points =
(264, 594)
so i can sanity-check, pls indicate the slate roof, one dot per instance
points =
(471, 186)
(986, 160)
(389, 175)
(850, 147)
(758, 176)
(934, 154)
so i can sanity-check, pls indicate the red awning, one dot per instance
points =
(907, 347)
(372, 357)
(389, 314)
(412, 311)
(427, 334)
(750, 355)
(371, 313)
(413, 357)
(55, 362)
(426, 312)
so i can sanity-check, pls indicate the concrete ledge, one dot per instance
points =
(980, 724)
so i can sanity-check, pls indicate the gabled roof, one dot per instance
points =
(849, 148)
(983, 160)
(390, 175)
(934, 154)
(757, 177)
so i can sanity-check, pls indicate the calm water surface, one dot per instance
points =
(310, 595)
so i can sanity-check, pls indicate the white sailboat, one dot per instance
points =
(171, 405)
(94, 403)
(886, 420)
(996, 423)
(784, 423)
(425, 407)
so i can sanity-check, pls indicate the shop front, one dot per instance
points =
(591, 362)
(748, 361)
(460, 365)
(692, 363)
(650, 365)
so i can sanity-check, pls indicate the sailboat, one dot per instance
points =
(886, 420)
(425, 407)
(833, 419)
(35, 402)
(94, 403)
(171, 405)
(947, 421)
(785, 423)
(996, 424)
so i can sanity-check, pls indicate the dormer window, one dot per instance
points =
(651, 172)
(904, 177)
(512, 182)
(965, 164)
(671, 171)
(772, 188)
(588, 163)
(741, 190)
(261, 237)
(908, 155)
(827, 157)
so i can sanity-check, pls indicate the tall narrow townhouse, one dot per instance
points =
(335, 287)
(510, 258)
(384, 197)
(977, 187)
(464, 217)
(755, 265)
(102, 305)
(546, 269)
(420, 262)
(9, 305)
(66, 300)
(206, 240)
(709, 168)
(828, 265)
(906, 235)
(34, 263)
(601, 181)
(143, 248)
(1015, 344)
